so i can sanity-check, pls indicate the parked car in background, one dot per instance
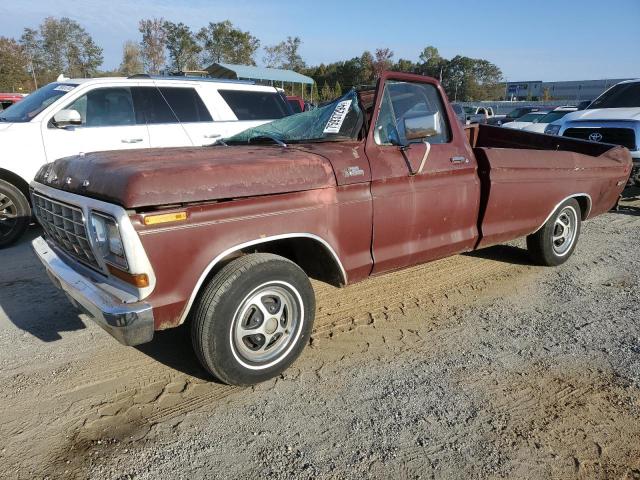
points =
(8, 99)
(613, 117)
(478, 114)
(556, 114)
(228, 236)
(584, 104)
(86, 115)
(296, 103)
(526, 120)
(511, 116)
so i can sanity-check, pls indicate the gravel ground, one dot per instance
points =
(476, 366)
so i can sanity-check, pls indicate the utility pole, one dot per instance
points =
(33, 73)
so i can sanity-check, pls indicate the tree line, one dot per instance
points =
(61, 45)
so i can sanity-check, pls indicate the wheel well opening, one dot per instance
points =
(312, 256)
(585, 206)
(17, 181)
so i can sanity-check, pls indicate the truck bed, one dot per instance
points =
(508, 158)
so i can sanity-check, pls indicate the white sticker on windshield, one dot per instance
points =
(337, 117)
(64, 88)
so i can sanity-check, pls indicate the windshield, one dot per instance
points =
(623, 95)
(553, 116)
(339, 120)
(32, 105)
(531, 117)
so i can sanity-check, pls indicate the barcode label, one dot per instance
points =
(337, 117)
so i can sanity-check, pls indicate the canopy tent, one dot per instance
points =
(260, 74)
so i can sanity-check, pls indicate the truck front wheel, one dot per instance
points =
(253, 319)
(554, 243)
(15, 213)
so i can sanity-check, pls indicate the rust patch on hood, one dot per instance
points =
(156, 177)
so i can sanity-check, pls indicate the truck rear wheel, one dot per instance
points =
(253, 319)
(15, 213)
(554, 243)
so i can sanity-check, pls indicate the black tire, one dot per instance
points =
(15, 213)
(547, 246)
(227, 312)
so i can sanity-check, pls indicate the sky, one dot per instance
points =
(528, 39)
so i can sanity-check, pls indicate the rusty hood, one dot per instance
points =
(154, 177)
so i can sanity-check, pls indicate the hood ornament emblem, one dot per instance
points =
(86, 183)
(67, 181)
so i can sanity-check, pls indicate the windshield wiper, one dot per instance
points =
(269, 137)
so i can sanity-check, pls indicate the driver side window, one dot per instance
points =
(404, 101)
(105, 107)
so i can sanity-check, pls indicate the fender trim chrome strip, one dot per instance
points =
(251, 243)
(575, 195)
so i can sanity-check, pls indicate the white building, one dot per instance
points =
(576, 90)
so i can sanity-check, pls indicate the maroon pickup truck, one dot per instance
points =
(226, 237)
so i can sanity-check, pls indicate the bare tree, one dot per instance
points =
(382, 61)
(285, 55)
(152, 44)
(29, 44)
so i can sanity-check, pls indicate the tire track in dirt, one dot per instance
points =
(574, 413)
(124, 392)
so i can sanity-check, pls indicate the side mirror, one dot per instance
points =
(425, 126)
(65, 118)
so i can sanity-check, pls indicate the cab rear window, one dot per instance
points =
(255, 105)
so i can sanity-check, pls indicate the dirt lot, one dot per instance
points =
(476, 366)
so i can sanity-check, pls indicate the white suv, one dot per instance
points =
(69, 117)
(613, 117)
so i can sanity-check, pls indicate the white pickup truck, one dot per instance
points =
(71, 117)
(613, 117)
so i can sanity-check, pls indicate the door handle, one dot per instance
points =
(212, 135)
(459, 159)
(131, 140)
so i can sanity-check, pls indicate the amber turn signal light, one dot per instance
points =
(165, 218)
(140, 280)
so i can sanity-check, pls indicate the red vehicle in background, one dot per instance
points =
(8, 99)
(296, 103)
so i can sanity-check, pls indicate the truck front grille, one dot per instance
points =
(618, 136)
(65, 225)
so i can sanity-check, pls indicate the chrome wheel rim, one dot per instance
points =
(267, 325)
(564, 231)
(8, 215)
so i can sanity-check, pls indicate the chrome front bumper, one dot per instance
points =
(129, 323)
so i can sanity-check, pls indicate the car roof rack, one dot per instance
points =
(191, 78)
